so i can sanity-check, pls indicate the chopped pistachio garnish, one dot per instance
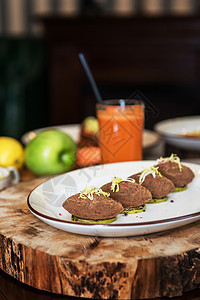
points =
(116, 181)
(145, 172)
(89, 193)
(173, 158)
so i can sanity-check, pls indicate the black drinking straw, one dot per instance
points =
(90, 77)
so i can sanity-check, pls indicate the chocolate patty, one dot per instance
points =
(100, 208)
(159, 186)
(130, 194)
(171, 171)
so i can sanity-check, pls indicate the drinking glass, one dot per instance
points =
(121, 123)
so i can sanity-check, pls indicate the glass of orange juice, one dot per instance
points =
(121, 124)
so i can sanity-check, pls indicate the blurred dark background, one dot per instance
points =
(146, 49)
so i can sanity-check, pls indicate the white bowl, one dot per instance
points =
(8, 176)
(172, 129)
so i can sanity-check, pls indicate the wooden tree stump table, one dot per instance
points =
(155, 265)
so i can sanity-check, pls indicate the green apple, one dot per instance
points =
(50, 152)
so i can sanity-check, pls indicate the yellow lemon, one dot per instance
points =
(11, 152)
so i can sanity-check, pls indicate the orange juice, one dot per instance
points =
(120, 130)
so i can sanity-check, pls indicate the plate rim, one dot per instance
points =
(168, 220)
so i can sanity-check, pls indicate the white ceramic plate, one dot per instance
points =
(171, 130)
(45, 202)
(150, 138)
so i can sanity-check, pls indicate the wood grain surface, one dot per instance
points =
(165, 264)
